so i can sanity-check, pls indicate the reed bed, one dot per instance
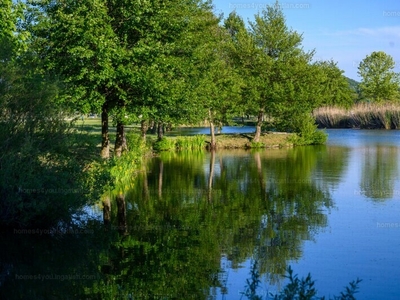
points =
(361, 115)
(195, 142)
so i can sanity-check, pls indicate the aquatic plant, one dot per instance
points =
(301, 289)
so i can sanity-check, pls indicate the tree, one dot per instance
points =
(218, 84)
(123, 57)
(336, 87)
(280, 81)
(253, 66)
(379, 81)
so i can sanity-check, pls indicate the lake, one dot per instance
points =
(197, 224)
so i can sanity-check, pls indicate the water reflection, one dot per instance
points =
(192, 218)
(188, 210)
(379, 171)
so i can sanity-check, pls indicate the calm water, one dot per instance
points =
(206, 130)
(197, 223)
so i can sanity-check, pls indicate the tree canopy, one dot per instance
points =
(379, 81)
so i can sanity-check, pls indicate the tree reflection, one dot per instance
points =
(187, 212)
(379, 171)
(234, 206)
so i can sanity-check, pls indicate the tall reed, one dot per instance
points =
(361, 115)
(195, 142)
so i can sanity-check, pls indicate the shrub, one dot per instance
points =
(307, 132)
(182, 143)
(165, 144)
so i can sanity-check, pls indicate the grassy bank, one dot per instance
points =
(361, 115)
(224, 141)
(268, 140)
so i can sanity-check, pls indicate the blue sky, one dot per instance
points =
(345, 31)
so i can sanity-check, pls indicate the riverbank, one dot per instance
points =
(244, 141)
(224, 141)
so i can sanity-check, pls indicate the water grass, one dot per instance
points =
(195, 142)
(361, 115)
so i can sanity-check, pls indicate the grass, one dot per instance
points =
(362, 115)
(244, 141)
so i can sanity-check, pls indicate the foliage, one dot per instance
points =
(307, 132)
(281, 81)
(196, 142)
(353, 85)
(165, 144)
(121, 64)
(117, 174)
(338, 90)
(11, 41)
(42, 180)
(256, 145)
(379, 81)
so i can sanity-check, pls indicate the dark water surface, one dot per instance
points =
(197, 223)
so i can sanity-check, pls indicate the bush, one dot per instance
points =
(42, 182)
(307, 132)
(165, 144)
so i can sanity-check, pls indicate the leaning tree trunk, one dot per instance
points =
(105, 143)
(213, 144)
(258, 125)
(120, 140)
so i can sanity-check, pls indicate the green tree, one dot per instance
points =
(79, 44)
(379, 81)
(122, 64)
(281, 83)
(172, 74)
(11, 41)
(218, 84)
(337, 89)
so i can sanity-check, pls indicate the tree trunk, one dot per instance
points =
(105, 143)
(153, 126)
(106, 211)
(120, 140)
(213, 144)
(160, 131)
(258, 125)
(121, 214)
(144, 126)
